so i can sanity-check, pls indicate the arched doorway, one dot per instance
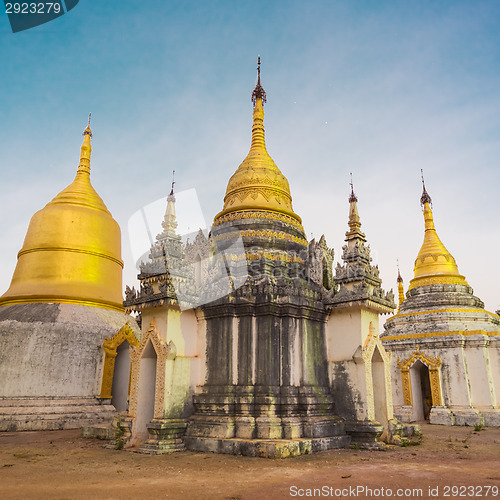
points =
(422, 395)
(379, 387)
(422, 399)
(116, 372)
(146, 392)
(421, 383)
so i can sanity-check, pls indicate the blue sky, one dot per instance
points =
(381, 89)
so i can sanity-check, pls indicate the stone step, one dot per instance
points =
(23, 414)
(47, 401)
(56, 410)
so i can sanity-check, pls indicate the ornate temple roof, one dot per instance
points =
(72, 249)
(258, 184)
(357, 279)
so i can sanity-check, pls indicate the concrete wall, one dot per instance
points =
(346, 329)
(54, 349)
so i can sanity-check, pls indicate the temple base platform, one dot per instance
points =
(53, 413)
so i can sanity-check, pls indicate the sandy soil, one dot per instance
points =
(63, 465)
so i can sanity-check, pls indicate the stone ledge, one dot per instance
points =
(100, 431)
(35, 414)
(266, 448)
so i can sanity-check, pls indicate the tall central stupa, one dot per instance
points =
(274, 386)
(247, 347)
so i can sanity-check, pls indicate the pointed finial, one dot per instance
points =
(425, 198)
(352, 197)
(87, 131)
(258, 91)
(173, 182)
(400, 279)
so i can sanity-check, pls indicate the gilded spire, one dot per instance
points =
(81, 190)
(434, 264)
(354, 220)
(401, 290)
(258, 184)
(86, 150)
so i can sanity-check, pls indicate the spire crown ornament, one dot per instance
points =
(173, 183)
(425, 198)
(258, 91)
(352, 197)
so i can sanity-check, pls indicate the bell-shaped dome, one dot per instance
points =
(434, 264)
(72, 250)
(258, 183)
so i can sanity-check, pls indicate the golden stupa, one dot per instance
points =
(258, 184)
(72, 250)
(434, 264)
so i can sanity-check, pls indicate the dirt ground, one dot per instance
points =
(63, 465)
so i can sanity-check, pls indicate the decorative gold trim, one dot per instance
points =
(435, 387)
(110, 346)
(440, 334)
(437, 280)
(251, 233)
(407, 391)
(58, 299)
(429, 361)
(74, 250)
(434, 311)
(268, 255)
(245, 208)
(433, 364)
(261, 214)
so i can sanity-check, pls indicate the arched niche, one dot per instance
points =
(433, 365)
(117, 366)
(162, 352)
(377, 362)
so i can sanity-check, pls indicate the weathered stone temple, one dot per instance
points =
(445, 345)
(250, 344)
(64, 302)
